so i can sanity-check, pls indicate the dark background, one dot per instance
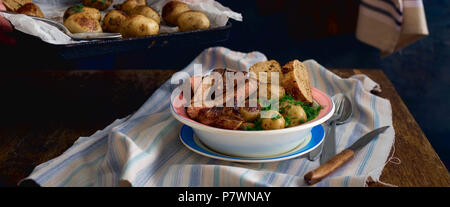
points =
(322, 30)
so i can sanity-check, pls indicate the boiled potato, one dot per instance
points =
(147, 12)
(98, 4)
(81, 22)
(112, 21)
(31, 9)
(269, 86)
(172, 10)
(129, 5)
(275, 120)
(93, 12)
(192, 20)
(138, 26)
(249, 113)
(295, 113)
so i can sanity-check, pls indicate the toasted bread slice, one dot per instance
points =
(267, 67)
(296, 81)
(14, 5)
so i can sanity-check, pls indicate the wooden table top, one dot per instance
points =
(45, 112)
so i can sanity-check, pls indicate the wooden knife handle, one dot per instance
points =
(329, 167)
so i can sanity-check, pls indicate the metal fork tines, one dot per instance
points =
(329, 145)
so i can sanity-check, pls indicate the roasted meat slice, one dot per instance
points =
(222, 117)
(209, 115)
(228, 122)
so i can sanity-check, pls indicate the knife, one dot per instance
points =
(340, 159)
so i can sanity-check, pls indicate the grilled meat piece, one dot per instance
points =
(222, 117)
(210, 114)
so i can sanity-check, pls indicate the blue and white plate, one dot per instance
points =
(189, 139)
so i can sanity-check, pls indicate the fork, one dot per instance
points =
(315, 154)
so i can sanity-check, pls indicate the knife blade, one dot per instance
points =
(340, 159)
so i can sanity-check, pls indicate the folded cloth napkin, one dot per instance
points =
(144, 149)
(391, 25)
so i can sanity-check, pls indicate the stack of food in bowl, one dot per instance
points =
(271, 111)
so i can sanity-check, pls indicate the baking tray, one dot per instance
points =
(116, 46)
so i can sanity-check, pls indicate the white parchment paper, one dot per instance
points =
(54, 9)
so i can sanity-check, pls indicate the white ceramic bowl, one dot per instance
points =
(254, 144)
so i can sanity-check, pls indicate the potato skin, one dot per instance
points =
(172, 10)
(147, 12)
(31, 9)
(295, 113)
(98, 4)
(138, 26)
(129, 5)
(93, 12)
(250, 114)
(276, 122)
(192, 20)
(81, 22)
(112, 21)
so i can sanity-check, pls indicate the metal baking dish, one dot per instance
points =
(116, 46)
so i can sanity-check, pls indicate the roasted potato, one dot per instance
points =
(275, 120)
(82, 22)
(146, 11)
(112, 21)
(129, 5)
(172, 10)
(138, 26)
(31, 9)
(268, 94)
(93, 12)
(295, 113)
(250, 113)
(98, 4)
(192, 20)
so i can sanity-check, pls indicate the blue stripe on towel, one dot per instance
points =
(184, 158)
(155, 141)
(224, 58)
(391, 3)
(239, 62)
(216, 175)
(80, 168)
(195, 177)
(372, 143)
(381, 11)
(145, 174)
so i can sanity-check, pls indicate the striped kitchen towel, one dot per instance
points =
(143, 149)
(391, 25)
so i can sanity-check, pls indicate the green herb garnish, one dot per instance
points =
(257, 123)
(77, 8)
(275, 117)
(287, 121)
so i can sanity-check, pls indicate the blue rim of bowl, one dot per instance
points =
(187, 138)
